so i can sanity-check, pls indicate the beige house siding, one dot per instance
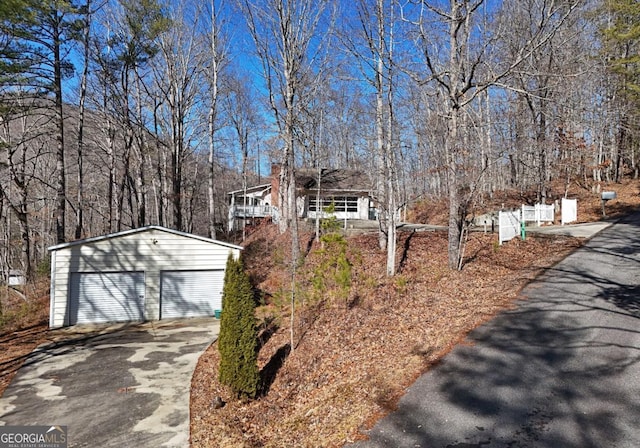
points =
(150, 250)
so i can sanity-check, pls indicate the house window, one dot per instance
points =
(342, 203)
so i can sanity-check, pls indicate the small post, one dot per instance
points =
(607, 196)
(345, 213)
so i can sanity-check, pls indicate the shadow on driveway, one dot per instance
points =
(112, 386)
(560, 370)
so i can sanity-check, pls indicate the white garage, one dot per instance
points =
(190, 293)
(142, 274)
(96, 297)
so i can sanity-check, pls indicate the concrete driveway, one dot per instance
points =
(562, 369)
(118, 386)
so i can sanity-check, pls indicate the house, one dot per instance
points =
(148, 273)
(348, 191)
(254, 203)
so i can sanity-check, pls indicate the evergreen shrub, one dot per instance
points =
(238, 337)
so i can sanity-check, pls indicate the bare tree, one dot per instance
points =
(467, 69)
(285, 34)
(178, 82)
(370, 40)
(241, 114)
(130, 32)
(619, 31)
(218, 55)
(86, 46)
(24, 139)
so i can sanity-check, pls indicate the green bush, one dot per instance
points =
(332, 277)
(238, 338)
(330, 224)
(44, 266)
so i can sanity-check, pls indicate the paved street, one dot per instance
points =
(561, 370)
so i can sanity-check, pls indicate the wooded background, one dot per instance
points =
(119, 114)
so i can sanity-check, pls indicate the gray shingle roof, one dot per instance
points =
(333, 179)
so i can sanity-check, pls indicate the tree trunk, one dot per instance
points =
(81, 112)
(176, 185)
(381, 161)
(140, 181)
(160, 181)
(453, 178)
(211, 175)
(452, 147)
(61, 186)
(216, 56)
(621, 141)
(111, 187)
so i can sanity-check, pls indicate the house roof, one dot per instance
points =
(333, 179)
(339, 180)
(253, 189)
(141, 230)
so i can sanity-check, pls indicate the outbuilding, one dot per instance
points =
(149, 273)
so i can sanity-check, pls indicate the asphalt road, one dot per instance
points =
(560, 370)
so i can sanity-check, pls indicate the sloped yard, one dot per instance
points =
(353, 357)
(24, 320)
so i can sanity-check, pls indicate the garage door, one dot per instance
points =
(106, 297)
(190, 293)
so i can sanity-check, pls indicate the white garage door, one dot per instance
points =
(106, 297)
(190, 293)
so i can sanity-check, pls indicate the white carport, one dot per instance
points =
(142, 274)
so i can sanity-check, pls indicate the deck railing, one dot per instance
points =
(252, 211)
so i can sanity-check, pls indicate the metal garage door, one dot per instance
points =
(106, 297)
(190, 293)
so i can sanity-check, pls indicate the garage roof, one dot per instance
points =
(141, 230)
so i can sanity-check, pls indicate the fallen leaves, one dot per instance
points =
(25, 328)
(353, 362)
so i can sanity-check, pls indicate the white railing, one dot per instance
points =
(509, 225)
(538, 213)
(252, 211)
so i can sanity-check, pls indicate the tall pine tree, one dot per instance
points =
(621, 50)
(622, 42)
(15, 18)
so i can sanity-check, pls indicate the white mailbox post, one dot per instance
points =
(607, 196)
